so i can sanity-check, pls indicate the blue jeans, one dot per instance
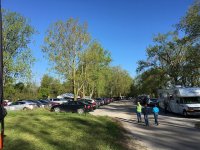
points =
(146, 120)
(156, 118)
(139, 118)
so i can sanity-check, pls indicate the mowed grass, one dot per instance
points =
(44, 130)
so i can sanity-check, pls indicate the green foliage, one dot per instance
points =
(119, 82)
(173, 60)
(50, 87)
(20, 91)
(40, 129)
(18, 59)
(64, 44)
(190, 23)
(94, 62)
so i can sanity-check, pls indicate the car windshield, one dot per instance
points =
(190, 100)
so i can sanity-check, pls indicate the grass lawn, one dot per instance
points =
(44, 130)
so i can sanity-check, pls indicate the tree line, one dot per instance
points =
(174, 58)
(83, 65)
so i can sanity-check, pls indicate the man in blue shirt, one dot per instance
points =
(155, 112)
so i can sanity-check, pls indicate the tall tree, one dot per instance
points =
(168, 54)
(120, 82)
(18, 59)
(94, 62)
(64, 43)
(190, 23)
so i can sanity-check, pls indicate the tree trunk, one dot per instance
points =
(83, 90)
(91, 94)
(74, 79)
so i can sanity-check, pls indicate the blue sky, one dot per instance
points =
(124, 27)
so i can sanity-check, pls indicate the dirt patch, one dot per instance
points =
(128, 141)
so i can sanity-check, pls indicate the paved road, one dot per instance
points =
(173, 133)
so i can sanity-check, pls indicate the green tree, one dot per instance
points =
(94, 62)
(168, 55)
(18, 59)
(64, 44)
(120, 82)
(190, 23)
(50, 87)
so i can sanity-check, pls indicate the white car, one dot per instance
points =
(20, 105)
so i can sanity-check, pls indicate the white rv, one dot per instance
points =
(180, 100)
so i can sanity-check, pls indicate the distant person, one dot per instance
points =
(155, 112)
(165, 106)
(139, 111)
(145, 111)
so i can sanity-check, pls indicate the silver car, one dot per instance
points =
(20, 105)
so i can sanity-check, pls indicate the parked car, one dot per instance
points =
(88, 105)
(100, 100)
(90, 101)
(117, 98)
(6, 102)
(46, 103)
(106, 101)
(38, 103)
(20, 105)
(71, 106)
(58, 100)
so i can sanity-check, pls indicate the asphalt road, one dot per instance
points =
(173, 133)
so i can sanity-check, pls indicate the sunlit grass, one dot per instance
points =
(44, 130)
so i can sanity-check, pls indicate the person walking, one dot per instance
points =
(155, 112)
(145, 111)
(138, 111)
(165, 106)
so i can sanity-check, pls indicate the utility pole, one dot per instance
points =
(1, 80)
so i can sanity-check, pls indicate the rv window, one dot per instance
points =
(181, 101)
(191, 100)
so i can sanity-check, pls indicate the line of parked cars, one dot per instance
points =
(60, 105)
(81, 105)
(26, 104)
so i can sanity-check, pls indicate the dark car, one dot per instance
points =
(152, 102)
(100, 101)
(117, 98)
(88, 105)
(71, 106)
(46, 103)
(90, 101)
(107, 100)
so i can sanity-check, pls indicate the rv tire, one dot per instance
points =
(185, 113)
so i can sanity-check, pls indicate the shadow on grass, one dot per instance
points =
(61, 132)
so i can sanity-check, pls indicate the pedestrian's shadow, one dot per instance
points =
(131, 121)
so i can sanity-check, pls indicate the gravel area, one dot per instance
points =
(173, 133)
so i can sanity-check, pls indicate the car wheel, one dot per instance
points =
(57, 109)
(185, 113)
(80, 111)
(25, 108)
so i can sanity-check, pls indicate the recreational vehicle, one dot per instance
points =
(181, 100)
